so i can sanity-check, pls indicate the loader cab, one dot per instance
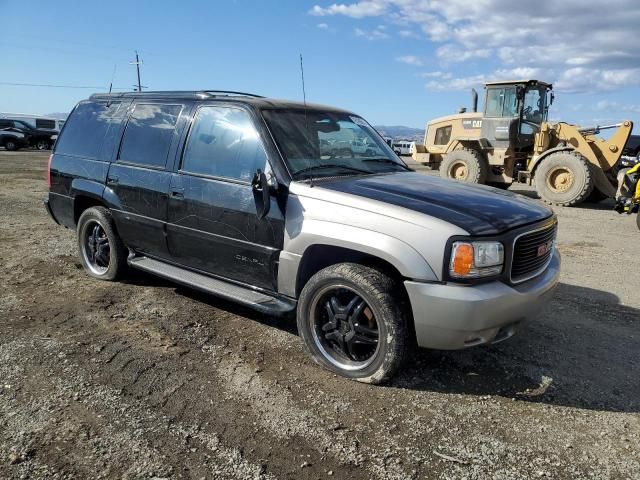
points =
(514, 112)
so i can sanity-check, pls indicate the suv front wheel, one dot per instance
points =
(351, 322)
(102, 253)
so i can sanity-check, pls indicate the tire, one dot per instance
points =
(42, 145)
(638, 220)
(564, 178)
(464, 165)
(596, 196)
(11, 145)
(106, 242)
(322, 332)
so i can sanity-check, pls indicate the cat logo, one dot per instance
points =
(467, 124)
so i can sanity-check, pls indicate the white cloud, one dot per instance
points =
(322, 26)
(437, 74)
(354, 10)
(451, 53)
(609, 106)
(579, 46)
(408, 34)
(410, 60)
(378, 33)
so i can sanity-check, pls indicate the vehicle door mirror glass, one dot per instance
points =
(261, 193)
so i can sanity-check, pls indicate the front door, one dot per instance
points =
(212, 222)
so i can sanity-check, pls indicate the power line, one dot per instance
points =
(46, 85)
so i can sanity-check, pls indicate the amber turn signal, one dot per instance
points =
(462, 259)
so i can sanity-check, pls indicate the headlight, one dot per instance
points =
(476, 259)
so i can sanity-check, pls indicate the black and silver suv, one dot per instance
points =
(273, 204)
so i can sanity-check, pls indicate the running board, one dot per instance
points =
(257, 300)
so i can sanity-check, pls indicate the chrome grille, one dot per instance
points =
(532, 252)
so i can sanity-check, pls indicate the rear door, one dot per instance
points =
(212, 222)
(138, 181)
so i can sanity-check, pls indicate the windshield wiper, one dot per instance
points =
(322, 166)
(386, 160)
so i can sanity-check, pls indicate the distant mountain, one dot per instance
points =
(58, 115)
(399, 132)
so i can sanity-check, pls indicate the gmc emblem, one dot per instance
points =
(544, 248)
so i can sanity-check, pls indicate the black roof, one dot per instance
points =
(258, 101)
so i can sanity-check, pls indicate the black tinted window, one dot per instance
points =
(224, 143)
(148, 135)
(45, 123)
(87, 127)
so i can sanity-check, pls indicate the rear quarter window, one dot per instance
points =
(91, 130)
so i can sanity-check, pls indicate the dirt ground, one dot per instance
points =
(145, 379)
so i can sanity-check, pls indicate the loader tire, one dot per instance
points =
(564, 179)
(596, 196)
(464, 165)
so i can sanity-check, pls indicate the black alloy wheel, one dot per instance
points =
(344, 327)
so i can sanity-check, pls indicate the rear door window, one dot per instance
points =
(224, 143)
(88, 127)
(149, 133)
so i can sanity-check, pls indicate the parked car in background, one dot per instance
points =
(40, 122)
(246, 198)
(402, 147)
(32, 137)
(13, 139)
(632, 147)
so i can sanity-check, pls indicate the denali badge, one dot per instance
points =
(544, 248)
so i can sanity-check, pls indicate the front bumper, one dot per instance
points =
(451, 317)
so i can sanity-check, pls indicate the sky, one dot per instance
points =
(395, 62)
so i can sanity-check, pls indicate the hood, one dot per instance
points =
(478, 209)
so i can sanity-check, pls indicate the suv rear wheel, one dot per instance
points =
(352, 324)
(102, 253)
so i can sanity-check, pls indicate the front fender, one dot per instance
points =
(401, 255)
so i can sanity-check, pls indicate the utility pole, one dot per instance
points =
(137, 63)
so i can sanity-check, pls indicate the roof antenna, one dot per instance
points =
(304, 94)
(304, 99)
(113, 75)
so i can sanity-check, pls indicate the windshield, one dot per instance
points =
(534, 105)
(317, 144)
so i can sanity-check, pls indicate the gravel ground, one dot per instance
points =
(145, 379)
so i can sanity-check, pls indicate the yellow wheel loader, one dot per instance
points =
(512, 141)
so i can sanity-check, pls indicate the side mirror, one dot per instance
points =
(261, 193)
(552, 97)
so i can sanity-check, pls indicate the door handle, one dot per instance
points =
(112, 179)
(177, 192)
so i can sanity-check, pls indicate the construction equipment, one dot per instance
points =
(512, 141)
(628, 197)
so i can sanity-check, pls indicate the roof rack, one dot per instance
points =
(231, 92)
(196, 94)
